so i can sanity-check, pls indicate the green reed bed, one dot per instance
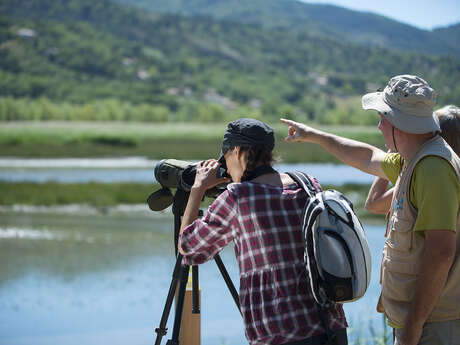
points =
(378, 335)
(156, 141)
(93, 194)
(111, 194)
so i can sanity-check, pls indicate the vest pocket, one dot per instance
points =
(400, 235)
(399, 279)
(398, 287)
(398, 265)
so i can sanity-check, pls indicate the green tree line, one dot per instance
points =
(100, 60)
(43, 109)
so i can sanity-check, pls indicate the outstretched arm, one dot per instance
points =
(357, 154)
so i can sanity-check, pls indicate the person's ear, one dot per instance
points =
(242, 157)
(241, 154)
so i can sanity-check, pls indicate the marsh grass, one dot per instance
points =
(368, 333)
(156, 141)
(100, 195)
(93, 194)
(384, 337)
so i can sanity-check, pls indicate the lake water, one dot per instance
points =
(140, 169)
(69, 275)
(70, 279)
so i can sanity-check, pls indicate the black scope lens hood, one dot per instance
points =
(187, 177)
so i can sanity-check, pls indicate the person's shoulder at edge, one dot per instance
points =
(434, 167)
(391, 165)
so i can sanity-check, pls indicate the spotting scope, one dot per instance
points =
(173, 173)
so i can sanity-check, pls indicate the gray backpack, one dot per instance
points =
(337, 254)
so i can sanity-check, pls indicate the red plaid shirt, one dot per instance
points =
(263, 221)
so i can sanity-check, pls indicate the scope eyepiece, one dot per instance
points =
(188, 176)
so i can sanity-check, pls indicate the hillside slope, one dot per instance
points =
(324, 20)
(80, 51)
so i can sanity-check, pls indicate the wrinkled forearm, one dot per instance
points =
(357, 154)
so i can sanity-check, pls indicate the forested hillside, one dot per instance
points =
(86, 60)
(324, 20)
(450, 35)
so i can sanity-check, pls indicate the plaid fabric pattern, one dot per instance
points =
(263, 222)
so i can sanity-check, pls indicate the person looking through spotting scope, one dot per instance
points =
(420, 273)
(260, 212)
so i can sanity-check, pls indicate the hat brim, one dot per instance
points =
(403, 121)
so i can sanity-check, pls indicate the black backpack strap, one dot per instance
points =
(331, 336)
(305, 183)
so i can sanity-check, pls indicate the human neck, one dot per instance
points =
(411, 143)
(273, 179)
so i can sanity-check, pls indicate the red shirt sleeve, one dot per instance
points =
(207, 236)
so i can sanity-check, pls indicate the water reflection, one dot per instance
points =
(89, 279)
(138, 169)
(65, 247)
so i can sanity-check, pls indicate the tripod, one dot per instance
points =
(180, 276)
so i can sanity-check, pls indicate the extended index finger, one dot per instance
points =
(288, 122)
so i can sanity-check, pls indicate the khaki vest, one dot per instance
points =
(403, 250)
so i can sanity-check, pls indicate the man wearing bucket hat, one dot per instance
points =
(420, 273)
(379, 197)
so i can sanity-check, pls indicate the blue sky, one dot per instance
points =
(424, 14)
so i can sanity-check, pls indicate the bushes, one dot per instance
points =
(42, 109)
(320, 110)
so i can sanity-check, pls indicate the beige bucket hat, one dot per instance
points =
(407, 102)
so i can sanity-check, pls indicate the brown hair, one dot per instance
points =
(255, 158)
(449, 121)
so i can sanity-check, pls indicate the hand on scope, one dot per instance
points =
(298, 132)
(206, 175)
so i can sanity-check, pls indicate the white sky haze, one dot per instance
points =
(424, 14)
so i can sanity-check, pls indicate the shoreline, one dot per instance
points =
(86, 210)
(138, 211)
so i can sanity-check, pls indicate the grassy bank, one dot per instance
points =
(156, 141)
(100, 195)
(93, 194)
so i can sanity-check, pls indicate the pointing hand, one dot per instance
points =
(297, 132)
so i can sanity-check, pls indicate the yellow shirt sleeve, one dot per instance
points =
(392, 165)
(435, 193)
